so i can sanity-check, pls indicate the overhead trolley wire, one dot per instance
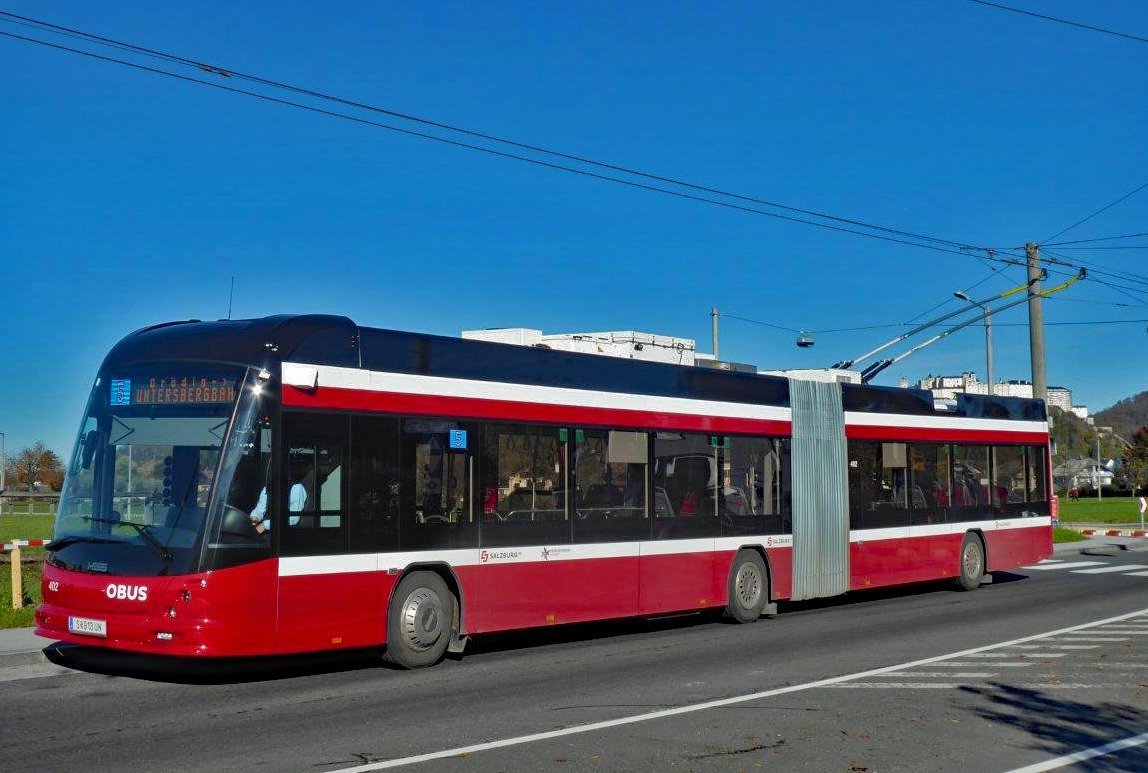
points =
(1061, 21)
(491, 151)
(228, 73)
(1091, 241)
(982, 254)
(1097, 212)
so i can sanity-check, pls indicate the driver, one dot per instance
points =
(297, 500)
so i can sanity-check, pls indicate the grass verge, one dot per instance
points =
(1061, 534)
(1107, 510)
(22, 526)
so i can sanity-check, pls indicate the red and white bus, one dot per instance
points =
(296, 484)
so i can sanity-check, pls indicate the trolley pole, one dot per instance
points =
(1036, 323)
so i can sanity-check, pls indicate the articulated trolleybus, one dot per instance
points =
(296, 484)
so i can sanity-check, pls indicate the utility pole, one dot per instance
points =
(1036, 323)
(717, 352)
(1099, 487)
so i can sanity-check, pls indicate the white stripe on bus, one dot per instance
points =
(292, 566)
(441, 386)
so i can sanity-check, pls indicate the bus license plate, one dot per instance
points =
(87, 626)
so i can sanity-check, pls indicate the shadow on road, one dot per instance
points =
(157, 668)
(1059, 727)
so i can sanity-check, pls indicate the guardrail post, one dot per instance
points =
(17, 580)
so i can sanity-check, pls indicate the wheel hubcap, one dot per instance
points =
(423, 619)
(748, 585)
(972, 561)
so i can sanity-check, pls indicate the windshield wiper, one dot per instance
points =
(142, 530)
(62, 542)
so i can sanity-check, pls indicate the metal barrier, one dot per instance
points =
(21, 502)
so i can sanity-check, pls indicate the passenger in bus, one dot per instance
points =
(297, 500)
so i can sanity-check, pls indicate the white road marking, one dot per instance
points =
(1138, 574)
(1012, 655)
(1069, 565)
(715, 704)
(958, 675)
(1085, 754)
(957, 664)
(1058, 646)
(898, 686)
(1112, 569)
(1097, 638)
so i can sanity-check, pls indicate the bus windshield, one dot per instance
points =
(144, 469)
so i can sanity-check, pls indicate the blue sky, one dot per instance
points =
(130, 198)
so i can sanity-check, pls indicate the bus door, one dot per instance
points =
(328, 596)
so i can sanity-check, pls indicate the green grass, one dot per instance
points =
(1060, 534)
(1107, 510)
(30, 572)
(23, 526)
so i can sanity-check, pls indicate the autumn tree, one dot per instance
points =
(34, 464)
(1136, 459)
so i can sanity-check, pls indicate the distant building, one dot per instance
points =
(648, 347)
(946, 388)
(628, 344)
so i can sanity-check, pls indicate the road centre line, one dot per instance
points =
(1057, 646)
(716, 704)
(1012, 655)
(1084, 754)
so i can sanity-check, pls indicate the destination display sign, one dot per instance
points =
(202, 389)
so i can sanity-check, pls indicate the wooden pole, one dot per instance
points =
(17, 580)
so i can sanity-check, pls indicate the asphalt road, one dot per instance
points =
(925, 678)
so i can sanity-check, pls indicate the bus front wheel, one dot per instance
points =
(420, 621)
(748, 587)
(972, 562)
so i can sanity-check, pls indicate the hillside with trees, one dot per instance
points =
(1127, 416)
(1074, 438)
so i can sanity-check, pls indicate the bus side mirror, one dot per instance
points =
(91, 438)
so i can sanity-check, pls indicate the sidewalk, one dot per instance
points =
(21, 647)
(1102, 545)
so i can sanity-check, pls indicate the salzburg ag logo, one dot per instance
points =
(126, 592)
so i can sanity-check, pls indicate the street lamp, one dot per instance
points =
(988, 336)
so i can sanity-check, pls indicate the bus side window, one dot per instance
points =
(312, 519)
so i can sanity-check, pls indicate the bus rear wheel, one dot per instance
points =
(420, 621)
(748, 587)
(972, 562)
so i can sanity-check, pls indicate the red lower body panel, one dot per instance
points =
(252, 610)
